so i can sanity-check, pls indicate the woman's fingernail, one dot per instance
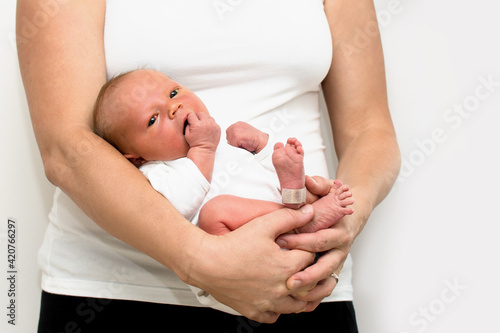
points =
(281, 242)
(306, 209)
(295, 284)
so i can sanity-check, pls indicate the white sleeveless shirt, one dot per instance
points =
(259, 61)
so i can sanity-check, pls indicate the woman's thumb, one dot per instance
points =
(284, 220)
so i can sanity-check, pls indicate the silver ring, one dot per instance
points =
(335, 276)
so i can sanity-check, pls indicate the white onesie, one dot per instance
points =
(183, 184)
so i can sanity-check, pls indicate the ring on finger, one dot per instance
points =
(335, 276)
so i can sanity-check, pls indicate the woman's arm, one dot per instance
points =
(364, 136)
(63, 67)
(356, 96)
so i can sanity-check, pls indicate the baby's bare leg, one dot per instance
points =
(225, 213)
(288, 160)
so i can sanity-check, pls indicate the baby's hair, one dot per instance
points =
(102, 125)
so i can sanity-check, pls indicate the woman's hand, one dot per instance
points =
(334, 242)
(246, 270)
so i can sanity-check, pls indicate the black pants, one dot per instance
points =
(69, 314)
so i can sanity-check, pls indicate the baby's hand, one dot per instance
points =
(244, 135)
(202, 131)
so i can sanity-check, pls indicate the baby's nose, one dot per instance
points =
(173, 108)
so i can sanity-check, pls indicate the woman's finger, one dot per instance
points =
(323, 288)
(284, 220)
(306, 280)
(319, 241)
(319, 186)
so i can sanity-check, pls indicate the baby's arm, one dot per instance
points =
(244, 135)
(202, 135)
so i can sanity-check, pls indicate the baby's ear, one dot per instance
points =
(135, 160)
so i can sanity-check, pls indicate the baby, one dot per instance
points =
(164, 129)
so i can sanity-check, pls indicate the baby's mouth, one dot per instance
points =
(186, 123)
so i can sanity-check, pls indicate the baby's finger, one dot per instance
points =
(192, 118)
(202, 116)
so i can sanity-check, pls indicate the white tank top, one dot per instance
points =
(260, 61)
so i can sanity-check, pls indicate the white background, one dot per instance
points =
(426, 262)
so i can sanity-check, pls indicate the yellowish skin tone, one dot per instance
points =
(63, 68)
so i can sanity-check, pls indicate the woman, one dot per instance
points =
(259, 61)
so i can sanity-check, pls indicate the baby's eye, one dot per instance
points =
(174, 93)
(152, 121)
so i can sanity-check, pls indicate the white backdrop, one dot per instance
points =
(426, 262)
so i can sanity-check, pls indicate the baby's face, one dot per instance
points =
(155, 110)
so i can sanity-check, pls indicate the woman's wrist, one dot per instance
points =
(363, 207)
(195, 265)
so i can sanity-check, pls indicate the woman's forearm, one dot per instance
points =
(356, 96)
(369, 166)
(117, 196)
(63, 69)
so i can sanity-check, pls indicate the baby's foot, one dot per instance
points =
(330, 208)
(288, 160)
